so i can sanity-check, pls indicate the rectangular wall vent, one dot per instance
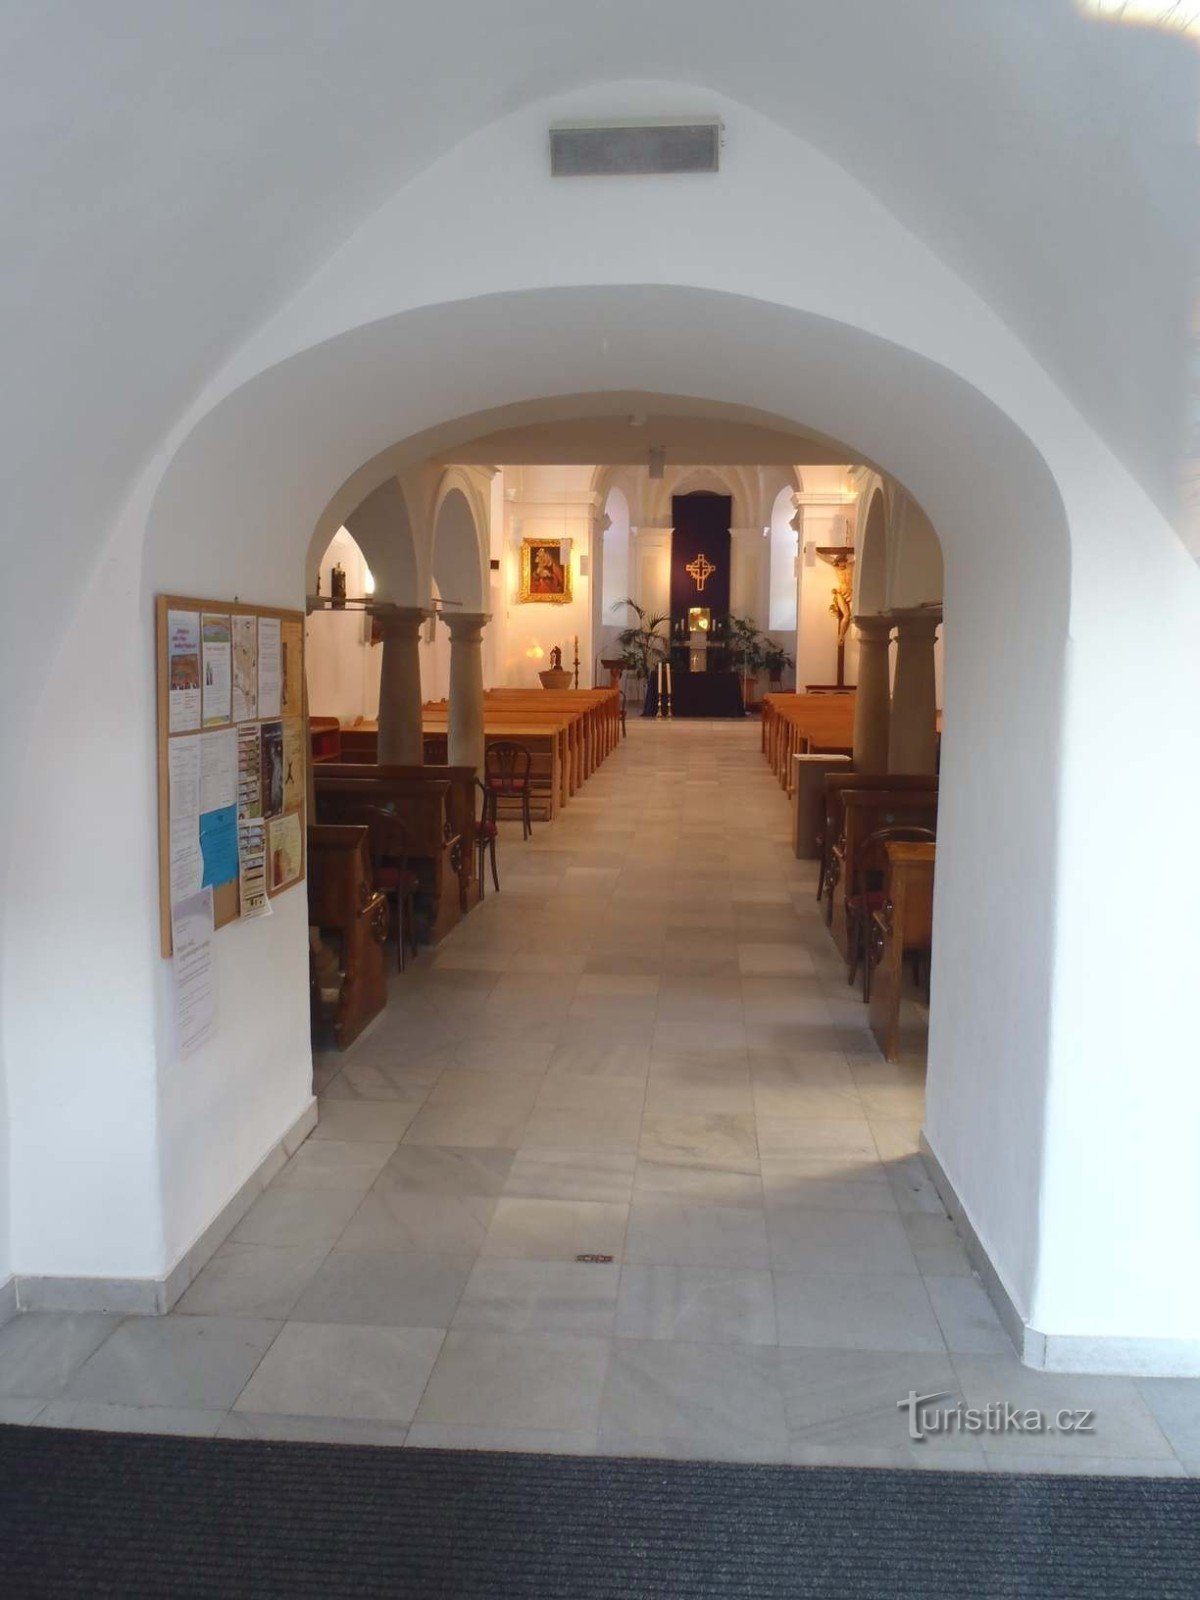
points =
(626, 149)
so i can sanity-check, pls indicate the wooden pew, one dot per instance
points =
(342, 904)
(460, 800)
(796, 724)
(437, 853)
(902, 928)
(325, 738)
(830, 827)
(863, 812)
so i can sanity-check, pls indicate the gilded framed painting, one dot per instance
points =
(544, 574)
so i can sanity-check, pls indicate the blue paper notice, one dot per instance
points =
(219, 845)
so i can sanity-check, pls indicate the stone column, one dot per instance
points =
(400, 742)
(466, 688)
(871, 704)
(912, 744)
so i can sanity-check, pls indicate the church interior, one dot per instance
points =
(583, 987)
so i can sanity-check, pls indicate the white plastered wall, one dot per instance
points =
(1041, 1082)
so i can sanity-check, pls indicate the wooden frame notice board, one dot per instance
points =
(231, 684)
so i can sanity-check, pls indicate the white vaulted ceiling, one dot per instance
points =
(172, 174)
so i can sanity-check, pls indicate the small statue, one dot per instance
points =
(556, 659)
(337, 586)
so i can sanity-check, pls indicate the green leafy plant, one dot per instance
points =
(745, 645)
(776, 660)
(643, 646)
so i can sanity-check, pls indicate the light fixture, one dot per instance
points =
(368, 581)
(564, 552)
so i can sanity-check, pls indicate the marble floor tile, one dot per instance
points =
(1124, 1425)
(365, 1121)
(557, 1174)
(841, 1398)
(673, 1233)
(470, 1086)
(97, 1416)
(808, 1240)
(767, 960)
(828, 1183)
(528, 1380)
(385, 1288)
(184, 1363)
(613, 1127)
(446, 1169)
(494, 1123)
(556, 1230)
(335, 1370)
(706, 1305)
(40, 1351)
(671, 1398)
(725, 1186)
(807, 1102)
(539, 1441)
(967, 1317)
(419, 1223)
(864, 1311)
(362, 1080)
(332, 1164)
(781, 1138)
(298, 1217)
(1175, 1405)
(311, 1430)
(517, 1296)
(936, 1245)
(252, 1280)
(580, 1055)
(706, 1140)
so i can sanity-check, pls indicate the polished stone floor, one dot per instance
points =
(643, 1052)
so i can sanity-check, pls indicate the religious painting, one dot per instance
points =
(544, 574)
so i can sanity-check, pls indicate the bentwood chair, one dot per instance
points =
(867, 892)
(506, 772)
(485, 835)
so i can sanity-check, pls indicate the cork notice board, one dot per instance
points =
(232, 755)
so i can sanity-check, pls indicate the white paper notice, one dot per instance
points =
(191, 943)
(183, 771)
(218, 769)
(183, 671)
(245, 668)
(217, 664)
(270, 668)
(252, 867)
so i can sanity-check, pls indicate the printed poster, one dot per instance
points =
(215, 657)
(183, 777)
(293, 764)
(252, 863)
(219, 846)
(286, 850)
(270, 685)
(245, 668)
(218, 769)
(272, 768)
(291, 648)
(249, 772)
(183, 671)
(191, 960)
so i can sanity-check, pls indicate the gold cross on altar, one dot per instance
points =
(701, 569)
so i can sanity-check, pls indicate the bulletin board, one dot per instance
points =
(232, 755)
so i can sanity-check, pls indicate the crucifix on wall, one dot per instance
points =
(841, 605)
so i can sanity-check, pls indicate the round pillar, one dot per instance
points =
(912, 745)
(871, 703)
(400, 739)
(465, 736)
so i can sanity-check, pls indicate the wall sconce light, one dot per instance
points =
(535, 652)
(564, 552)
(368, 581)
(584, 566)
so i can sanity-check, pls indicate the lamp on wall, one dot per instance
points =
(564, 552)
(368, 581)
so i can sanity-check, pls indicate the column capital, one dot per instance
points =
(916, 622)
(466, 627)
(874, 627)
(401, 622)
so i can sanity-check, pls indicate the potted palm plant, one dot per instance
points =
(642, 646)
(777, 661)
(746, 653)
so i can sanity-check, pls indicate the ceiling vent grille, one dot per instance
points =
(628, 149)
